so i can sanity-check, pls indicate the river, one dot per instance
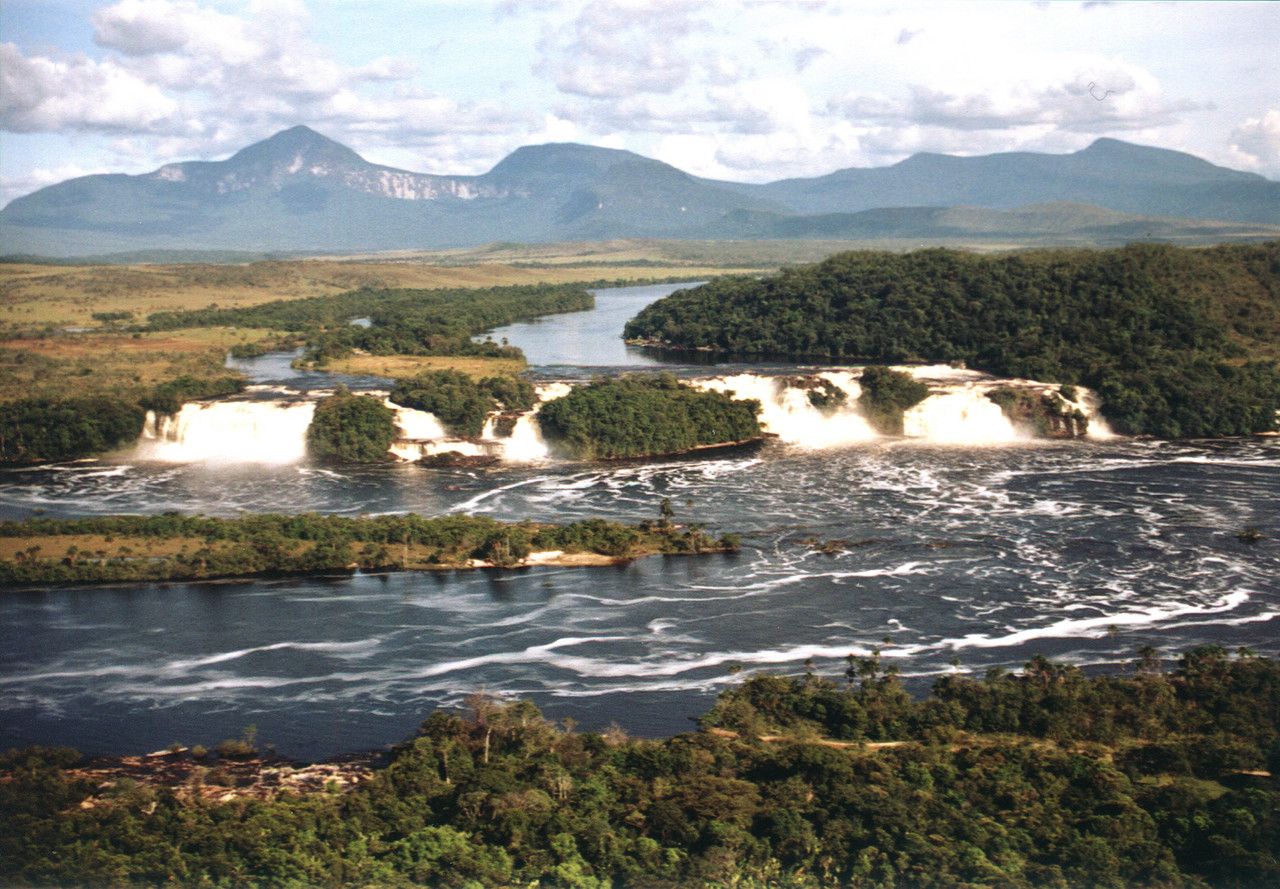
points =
(966, 556)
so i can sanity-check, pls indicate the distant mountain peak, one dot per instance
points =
(297, 143)
(1158, 162)
(569, 159)
(300, 190)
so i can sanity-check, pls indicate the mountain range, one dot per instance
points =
(299, 191)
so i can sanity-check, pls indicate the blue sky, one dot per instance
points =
(749, 91)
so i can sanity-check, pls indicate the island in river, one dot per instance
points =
(173, 547)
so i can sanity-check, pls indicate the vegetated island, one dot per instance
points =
(110, 549)
(1178, 342)
(1045, 779)
(645, 416)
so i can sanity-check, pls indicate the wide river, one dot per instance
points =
(966, 557)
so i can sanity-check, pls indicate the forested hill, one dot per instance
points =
(1179, 342)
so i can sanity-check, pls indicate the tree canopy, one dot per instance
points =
(351, 428)
(1045, 779)
(1178, 342)
(461, 403)
(639, 416)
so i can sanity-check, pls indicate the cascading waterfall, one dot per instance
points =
(258, 428)
(526, 444)
(787, 411)
(958, 410)
(961, 413)
(422, 436)
(415, 424)
(233, 431)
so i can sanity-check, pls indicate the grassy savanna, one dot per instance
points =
(37, 295)
(39, 302)
(112, 363)
(626, 258)
(396, 366)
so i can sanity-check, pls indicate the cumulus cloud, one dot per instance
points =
(149, 27)
(44, 94)
(201, 82)
(614, 50)
(1256, 144)
(1094, 97)
(742, 90)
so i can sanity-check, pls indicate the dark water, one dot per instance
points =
(988, 556)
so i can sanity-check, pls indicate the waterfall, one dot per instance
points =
(423, 436)
(415, 424)
(787, 412)
(410, 451)
(258, 428)
(232, 431)
(958, 410)
(959, 414)
(526, 444)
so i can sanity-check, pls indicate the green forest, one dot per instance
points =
(642, 416)
(1162, 777)
(1178, 342)
(886, 395)
(171, 546)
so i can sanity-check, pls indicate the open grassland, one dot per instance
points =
(40, 296)
(402, 366)
(627, 258)
(112, 363)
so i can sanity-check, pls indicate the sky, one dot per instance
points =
(745, 91)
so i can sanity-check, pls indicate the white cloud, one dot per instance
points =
(149, 27)
(741, 90)
(43, 94)
(1077, 94)
(1255, 144)
(203, 83)
(614, 50)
